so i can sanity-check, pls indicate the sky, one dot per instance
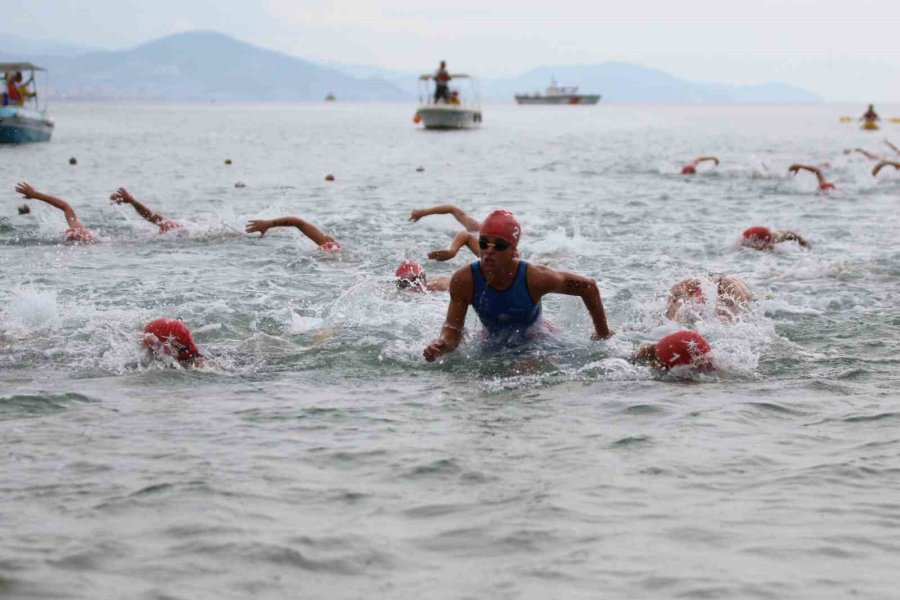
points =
(841, 50)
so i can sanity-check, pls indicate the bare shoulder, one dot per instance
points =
(461, 282)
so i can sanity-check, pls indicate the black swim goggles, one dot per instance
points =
(403, 282)
(498, 244)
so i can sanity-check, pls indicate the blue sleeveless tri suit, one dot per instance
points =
(506, 314)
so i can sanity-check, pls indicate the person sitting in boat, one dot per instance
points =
(76, 231)
(870, 116)
(883, 164)
(17, 91)
(824, 184)
(732, 295)
(763, 238)
(691, 167)
(454, 97)
(441, 81)
(320, 238)
(122, 196)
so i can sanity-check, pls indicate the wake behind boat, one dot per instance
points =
(457, 107)
(558, 94)
(22, 117)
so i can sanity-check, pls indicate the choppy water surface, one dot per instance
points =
(321, 457)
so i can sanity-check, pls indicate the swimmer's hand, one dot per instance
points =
(441, 255)
(597, 336)
(435, 349)
(26, 190)
(793, 169)
(121, 196)
(417, 214)
(261, 225)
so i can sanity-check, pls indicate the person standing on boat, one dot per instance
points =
(441, 83)
(506, 292)
(76, 231)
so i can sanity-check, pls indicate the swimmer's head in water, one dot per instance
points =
(501, 224)
(78, 234)
(172, 338)
(411, 275)
(683, 348)
(330, 246)
(825, 186)
(688, 170)
(757, 237)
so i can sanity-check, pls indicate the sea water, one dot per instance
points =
(317, 455)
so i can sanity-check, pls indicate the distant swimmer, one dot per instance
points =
(824, 184)
(506, 292)
(463, 238)
(410, 276)
(691, 167)
(763, 238)
(883, 164)
(171, 337)
(121, 196)
(76, 231)
(732, 295)
(464, 219)
(682, 348)
(893, 147)
(866, 153)
(323, 240)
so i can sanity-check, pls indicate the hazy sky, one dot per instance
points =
(841, 50)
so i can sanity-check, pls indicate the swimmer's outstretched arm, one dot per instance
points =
(883, 164)
(122, 196)
(32, 194)
(461, 288)
(306, 228)
(893, 147)
(790, 236)
(815, 170)
(447, 209)
(463, 238)
(544, 280)
(701, 159)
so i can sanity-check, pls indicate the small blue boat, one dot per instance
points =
(22, 116)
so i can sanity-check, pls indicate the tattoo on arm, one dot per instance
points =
(575, 283)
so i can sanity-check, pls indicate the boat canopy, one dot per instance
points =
(19, 66)
(428, 76)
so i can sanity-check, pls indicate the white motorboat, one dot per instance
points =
(23, 118)
(460, 110)
(558, 94)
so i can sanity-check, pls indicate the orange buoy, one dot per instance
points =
(417, 118)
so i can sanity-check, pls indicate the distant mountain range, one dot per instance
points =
(204, 65)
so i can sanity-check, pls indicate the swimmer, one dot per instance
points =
(318, 237)
(171, 337)
(76, 231)
(677, 349)
(410, 276)
(883, 164)
(447, 209)
(824, 185)
(893, 147)
(732, 295)
(463, 238)
(866, 153)
(763, 238)
(691, 167)
(506, 292)
(121, 196)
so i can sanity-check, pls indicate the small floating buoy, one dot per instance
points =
(24, 209)
(227, 161)
(73, 161)
(239, 184)
(329, 177)
(419, 169)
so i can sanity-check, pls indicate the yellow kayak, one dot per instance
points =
(870, 126)
(846, 119)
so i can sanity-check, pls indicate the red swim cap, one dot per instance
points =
(502, 224)
(410, 270)
(688, 169)
(826, 186)
(757, 237)
(172, 337)
(681, 348)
